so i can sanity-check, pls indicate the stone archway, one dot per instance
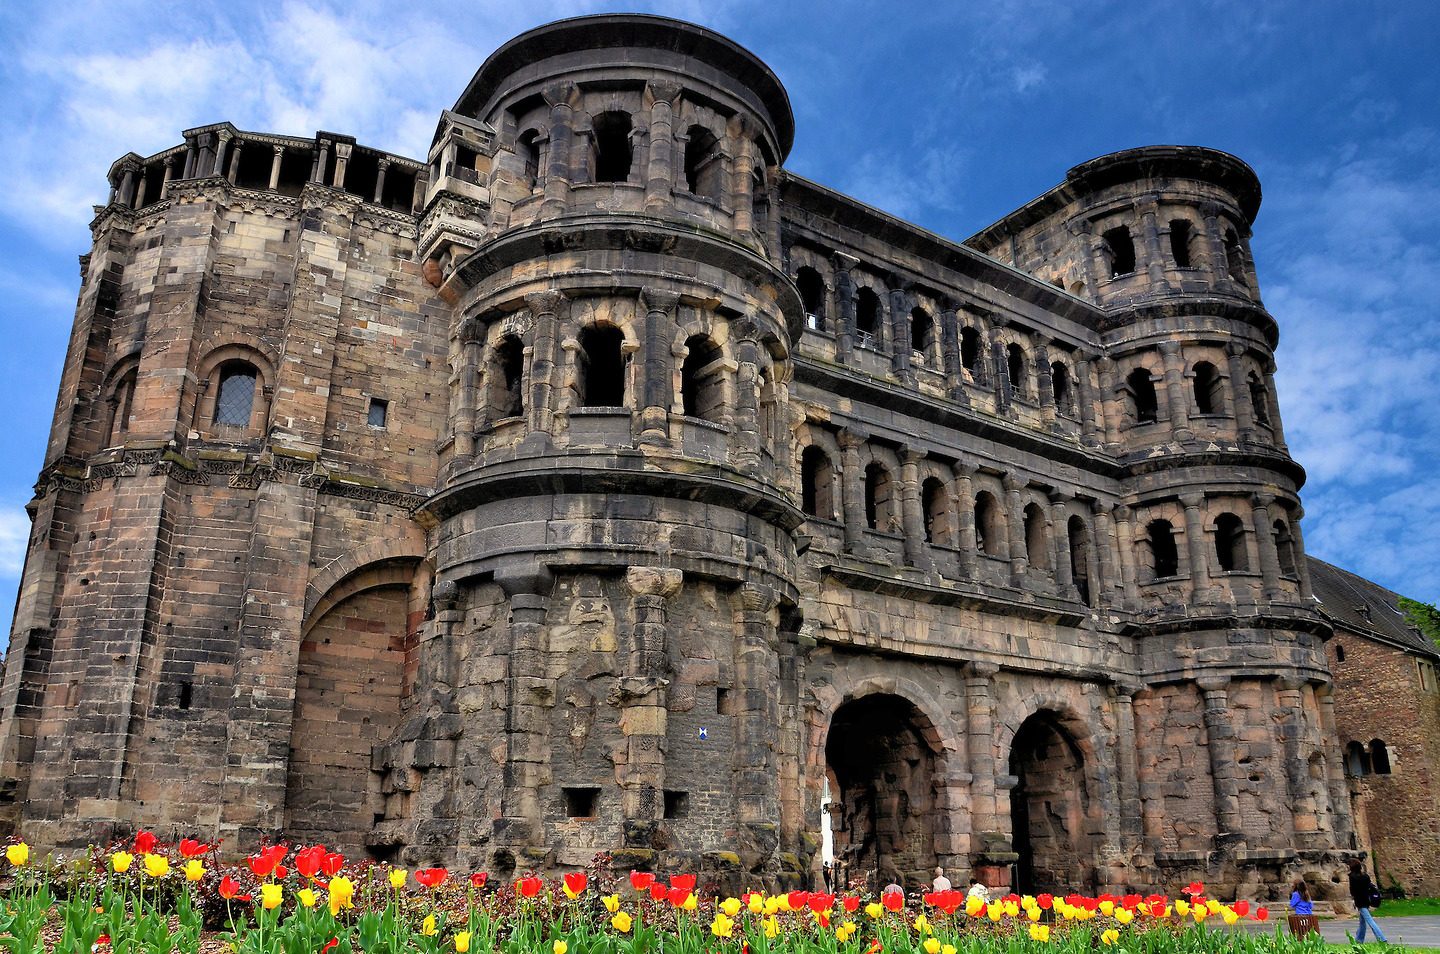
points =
(1049, 807)
(882, 768)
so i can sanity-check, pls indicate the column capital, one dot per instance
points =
(543, 302)
(1126, 689)
(1121, 512)
(1265, 501)
(843, 262)
(850, 439)
(651, 581)
(1291, 683)
(471, 330)
(755, 598)
(1212, 684)
(1011, 483)
(963, 468)
(980, 669)
(1100, 507)
(1192, 501)
(1236, 349)
(384, 162)
(662, 91)
(560, 94)
(910, 455)
(1059, 496)
(279, 149)
(659, 299)
(1169, 348)
(224, 135)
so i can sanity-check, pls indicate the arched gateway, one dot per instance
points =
(1049, 807)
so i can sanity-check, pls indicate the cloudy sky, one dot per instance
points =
(949, 114)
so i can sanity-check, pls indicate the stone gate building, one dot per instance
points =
(596, 484)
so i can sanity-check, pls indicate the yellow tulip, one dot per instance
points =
(1109, 937)
(731, 906)
(772, 927)
(846, 931)
(1107, 908)
(1033, 914)
(721, 926)
(771, 906)
(974, 906)
(271, 895)
(1011, 909)
(1212, 906)
(194, 870)
(621, 922)
(18, 854)
(757, 902)
(120, 861)
(1040, 932)
(397, 878)
(342, 895)
(931, 946)
(157, 866)
(307, 897)
(782, 901)
(1124, 915)
(1028, 901)
(1182, 907)
(611, 902)
(1230, 916)
(561, 947)
(922, 924)
(462, 942)
(948, 949)
(428, 928)
(875, 909)
(691, 902)
(994, 910)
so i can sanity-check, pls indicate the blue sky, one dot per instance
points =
(948, 114)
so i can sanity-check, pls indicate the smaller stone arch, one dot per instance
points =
(118, 396)
(408, 548)
(219, 363)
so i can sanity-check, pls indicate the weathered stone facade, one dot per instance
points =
(598, 485)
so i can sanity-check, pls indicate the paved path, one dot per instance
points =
(1416, 931)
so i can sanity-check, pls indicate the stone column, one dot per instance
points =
(1239, 391)
(742, 178)
(747, 398)
(900, 334)
(1195, 548)
(1016, 525)
(1220, 741)
(950, 354)
(322, 159)
(342, 162)
(1001, 361)
(1150, 231)
(1089, 255)
(1175, 397)
(1045, 384)
(1290, 723)
(643, 722)
(1336, 786)
(562, 136)
(1265, 541)
(234, 171)
(275, 161)
(1127, 769)
(1111, 405)
(964, 498)
(140, 184)
(192, 158)
(1102, 569)
(852, 497)
(845, 296)
(1302, 567)
(169, 174)
(658, 385)
(380, 179)
(224, 137)
(124, 192)
(1060, 538)
(531, 699)
(1271, 398)
(1125, 534)
(470, 412)
(757, 676)
(980, 751)
(660, 170)
(1085, 395)
(544, 306)
(1215, 245)
(912, 520)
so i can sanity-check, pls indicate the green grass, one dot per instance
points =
(1407, 907)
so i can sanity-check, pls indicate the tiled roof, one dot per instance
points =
(1364, 607)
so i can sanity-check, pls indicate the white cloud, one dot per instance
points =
(14, 537)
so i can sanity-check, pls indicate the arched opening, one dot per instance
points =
(922, 333)
(1037, 537)
(1060, 384)
(1164, 557)
(613, 152)
(1078, 536)
(1357, 760)
(1015, 361)
(867, 318)
(1121, 249)
(702, 379)
(882, 800)
(935, 505)
(1048, 807)
(989, 534)
(970, 350)
(507, 398)
(120, 402)
(703, 167)
(1230, 543)
(817, 482)
(1144, 404)
(1259, 398)
(1379, 757)
(877, 497)
(600, 377)
(812, 296)
(1284, 548)
(1207, 388)
(528, 147)
(1180, 235)
(235, 399)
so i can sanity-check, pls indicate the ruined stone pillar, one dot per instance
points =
(747, 400)
(1337, 788)
(1239, 392)
(1002, 376)
(342, 162)
(1016, 525)
(660, 170)
(380, 179)
(1125, 534)
(1276, 432)
(852, 485)
(234, 170)
(1060, 538)
(950, 354)
(1150, 233)
(224, 137)
(1127, 769)
(1085, 395)
(1195, 548)
(469, 411)
(912, 517)
(544, 306)
(980, 751)
(531, 699)
(562, 136)
(742, 178)
(964, 504)
(1265, 541)
(900, 334)
(657, 387)
(1111, 408)
(1175, 398)
(275, 162)
(1290, 724)
(1215, 245)
(845, 296)
(165, 179)
(643, 721)
(1045, 384)
(757, 676)
(1220, 741)
(1302, 566)
(1102, 568)
(322, 159)
(1089, 257)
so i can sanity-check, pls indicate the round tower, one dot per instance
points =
(614, 548)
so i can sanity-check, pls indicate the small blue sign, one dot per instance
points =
(704, 733)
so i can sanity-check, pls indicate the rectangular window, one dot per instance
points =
(378, 411)
(676, 804)
(1427, 675)
(581, 802)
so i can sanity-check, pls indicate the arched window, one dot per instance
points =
(1037, 537)
(1285, 548)
(600, 378)
(867, 317)
(1207, 388)
(1357, 760)
(1235, 258)
(1259, 398)
(1015, 359)
(1060, 384)
(235, 399)
(989, 533)
(812, 296)
(1379, 757)
(1339, 653)
(1180, 235)
(1078, 536)
(702, 379)
(121, 400)
(1145, 405)
(1121, 248)
(1164, 557)
(935, 505)
(1230, 543)
(528, 146)
(877, 497)
(612, 147)
(507, 398)
(922, 333)
(703, 167)
(970, 350)
(817, 483)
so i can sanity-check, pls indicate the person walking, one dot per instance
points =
(1363, 893)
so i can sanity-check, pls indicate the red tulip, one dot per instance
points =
(281, 872)
(1262, 914)
(528, 887)
(677, 896)
(683, 881)
(875, 947)
(1241, 908)
(307, 860)
(1046, 901)
(190, 848)
(894, 901)
(1157, 908)
(333, 942)
(851, 902)
(144, 843)
(1130, 902)
(477, 880)
(1194, 888)
(823, 917)
(658, 891)
(798, 899)
(576, 881)
(641, 880)
(431, 877)
(230, 890)
(332, 863)
(821, 902)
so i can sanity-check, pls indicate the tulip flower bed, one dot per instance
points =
(148, 898)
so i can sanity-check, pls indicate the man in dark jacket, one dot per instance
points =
(1363, 893)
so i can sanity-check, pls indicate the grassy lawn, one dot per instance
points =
(1407, 907)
